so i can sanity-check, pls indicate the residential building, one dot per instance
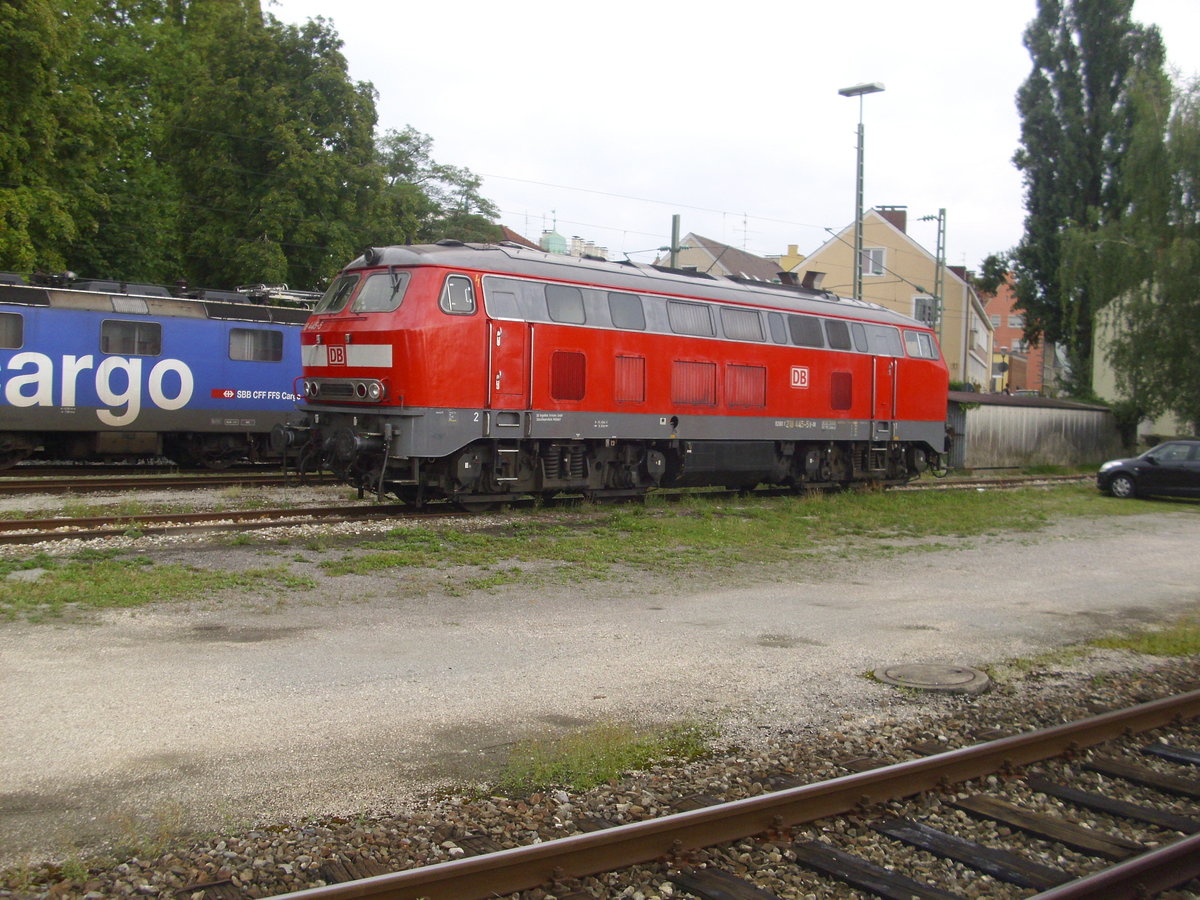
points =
(1017, 365)
(711, 257)
(900, 274)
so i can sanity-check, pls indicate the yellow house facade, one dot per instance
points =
(900, 274)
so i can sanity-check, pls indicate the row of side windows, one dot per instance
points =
(533, 301)
(692, 382)
(126, 338)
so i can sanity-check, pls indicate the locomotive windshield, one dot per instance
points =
(381, 292)
(334, 299)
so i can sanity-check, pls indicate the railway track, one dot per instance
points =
(84, 484)
(706, 850)
(44, 530)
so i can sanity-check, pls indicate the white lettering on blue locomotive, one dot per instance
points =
(168, 385)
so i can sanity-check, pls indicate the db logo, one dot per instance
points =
(337, 355)
(224, 394)
(800, 376)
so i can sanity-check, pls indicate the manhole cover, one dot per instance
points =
(959, 679)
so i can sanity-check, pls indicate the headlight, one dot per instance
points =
(374, 390)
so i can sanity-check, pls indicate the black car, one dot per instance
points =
(1172, 467)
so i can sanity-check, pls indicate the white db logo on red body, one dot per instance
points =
(337, 355)
(799, 376)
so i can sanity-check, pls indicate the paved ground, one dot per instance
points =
(367, 695)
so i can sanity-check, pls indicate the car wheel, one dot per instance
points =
(1122, 486)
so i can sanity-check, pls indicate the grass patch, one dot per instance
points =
(1181, 638)
(705, 532)
(100, 581)
(594, 756)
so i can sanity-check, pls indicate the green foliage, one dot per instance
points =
(595, 755)
(1076, 128)
(164, 140)
(1146, 264)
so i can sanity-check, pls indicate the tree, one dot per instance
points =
(1076, 126)
(48, 140)
(424, 200)
(273, 148)
(1146, 263)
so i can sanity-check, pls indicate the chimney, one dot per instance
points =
(812, 280)
(897, 215)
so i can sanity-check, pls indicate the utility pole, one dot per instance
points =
(675, 241)
(939, 273)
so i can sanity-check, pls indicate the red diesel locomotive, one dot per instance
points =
(483, 371)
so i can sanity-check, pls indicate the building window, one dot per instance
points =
(923, 310)
(12, 331)
(256, 344)
(995, 317)
(131, 338)
(1016, 321)
(872, 260)
(568, 371)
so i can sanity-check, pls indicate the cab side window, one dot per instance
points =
(458, 296)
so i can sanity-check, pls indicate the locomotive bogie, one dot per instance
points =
(503, 371)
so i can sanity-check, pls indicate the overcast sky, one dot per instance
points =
(607, 118)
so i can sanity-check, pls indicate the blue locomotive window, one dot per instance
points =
(256, 344)
(838, 333)
(565, 304)
(626, 311)
(778, 328)
(12, 331)
(131, 338)
(741, 324)
(458, 296)
(689, 318)
(806, 331)
(335, 298)
(381, 292)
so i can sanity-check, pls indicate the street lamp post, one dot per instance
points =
(858, 90)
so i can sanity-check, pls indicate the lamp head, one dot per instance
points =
(857, 90)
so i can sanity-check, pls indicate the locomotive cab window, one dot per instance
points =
(778, 328)
(381, 292)
(255, 344)
(335, 298)
(12, 331)
(458, 296)
(131, 338)
(884, 340)
(919, 344)
(565, 304)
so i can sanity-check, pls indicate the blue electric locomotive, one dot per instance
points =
(103, 370)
